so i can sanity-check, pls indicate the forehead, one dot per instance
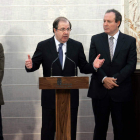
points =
(63, 23)
(109, 16)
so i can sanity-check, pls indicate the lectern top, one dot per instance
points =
(63, 82)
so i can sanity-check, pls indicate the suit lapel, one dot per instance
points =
(119, 45)
(54, 52)
(105, 45)
(69, 52)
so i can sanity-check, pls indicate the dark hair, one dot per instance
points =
(57, 20)
(118, 16)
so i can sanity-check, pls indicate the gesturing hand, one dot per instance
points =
(98, 62)
(28, 62)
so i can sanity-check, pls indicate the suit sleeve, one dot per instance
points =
(130, 64)
(1, 63)
(36, 59)
(84, 66)
(92, 55)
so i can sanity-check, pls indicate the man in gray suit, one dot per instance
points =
(1, 94)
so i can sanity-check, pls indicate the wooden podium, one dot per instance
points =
(62, 85)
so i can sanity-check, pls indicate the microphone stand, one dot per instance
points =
(53, 63)
(74, 64)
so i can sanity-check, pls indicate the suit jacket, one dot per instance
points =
(122, 66)
(46, 53)
(1, 72)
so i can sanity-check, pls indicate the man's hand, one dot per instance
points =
(28, 62)
(98, 62)
(110, 83)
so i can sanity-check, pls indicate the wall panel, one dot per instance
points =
(22, 25)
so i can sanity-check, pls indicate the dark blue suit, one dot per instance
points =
(45, 54)
(114, 101)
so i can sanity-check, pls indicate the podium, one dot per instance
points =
(62, 86)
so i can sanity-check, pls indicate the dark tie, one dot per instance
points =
(60, 53)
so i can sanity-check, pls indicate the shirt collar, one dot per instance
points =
(57, 42)
(115, 36)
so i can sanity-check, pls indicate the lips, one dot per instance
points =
(65, 36)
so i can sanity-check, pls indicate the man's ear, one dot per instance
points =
(118, 23)
(54, 30)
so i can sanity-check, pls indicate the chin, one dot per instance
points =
(65, 40)
(106, 32)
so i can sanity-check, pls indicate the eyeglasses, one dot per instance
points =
(63, 29)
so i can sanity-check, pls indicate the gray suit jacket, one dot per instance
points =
(1, 72)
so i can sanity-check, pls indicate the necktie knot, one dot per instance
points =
(60, 45)
(111, 38)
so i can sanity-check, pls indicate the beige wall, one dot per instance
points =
(22, 25)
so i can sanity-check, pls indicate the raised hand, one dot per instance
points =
(28, 62)
(98, 62)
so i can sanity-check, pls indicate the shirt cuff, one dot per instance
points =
(95, 68)
(103, 79)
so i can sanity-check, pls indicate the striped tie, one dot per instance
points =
(111, 45)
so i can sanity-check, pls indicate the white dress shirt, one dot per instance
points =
(114, 40)
(64, 48)
(114, 46)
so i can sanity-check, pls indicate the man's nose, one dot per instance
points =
(105, 23)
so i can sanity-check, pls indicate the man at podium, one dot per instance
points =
(62, 55)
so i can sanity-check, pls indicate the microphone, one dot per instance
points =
(53, 63)
(73, 62)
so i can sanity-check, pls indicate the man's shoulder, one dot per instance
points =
(74, 41)
(46, 41)
(99, 35)
(128, 36)
(0, 45)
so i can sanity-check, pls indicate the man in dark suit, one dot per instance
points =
(47, 53)
(1, 94)
(110, 88)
